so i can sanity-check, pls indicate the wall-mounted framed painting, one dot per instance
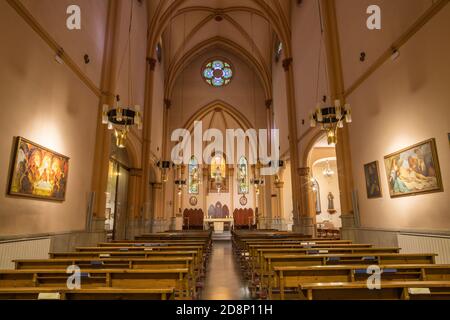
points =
(38, 172)
(373, 185)
(414, 170)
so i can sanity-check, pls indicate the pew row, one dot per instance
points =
(288, 279)
(389, 290)
(93, 278)
(43, 293)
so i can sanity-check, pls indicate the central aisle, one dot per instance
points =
(223, 280)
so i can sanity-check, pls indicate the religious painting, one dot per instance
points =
(38, 172)
(193, 201)
(414, 170)
(243, 200)
(373, 185)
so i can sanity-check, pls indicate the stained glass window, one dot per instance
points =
(278, 50)
(243, 176)
(218, 167)
(217, 73)
(194, 176)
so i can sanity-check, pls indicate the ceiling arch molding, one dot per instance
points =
(162, 19)
(222, 106)
(227, 45)
(221, 11)
(233, 22)
(219, 107)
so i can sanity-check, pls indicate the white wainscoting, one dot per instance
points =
(423, 243)
(37, 248)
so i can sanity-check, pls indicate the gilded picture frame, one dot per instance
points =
(414, 170)
(38, 172)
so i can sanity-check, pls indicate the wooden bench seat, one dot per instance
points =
(265, 271)
(273, 260)
(177, 248)
(108, 263)
(257, 258)
(153, 243)
(171, 237)
(390, 290)
(91, 278)
(290, 277)
(119, 254)
(88, 294)
(246, 244)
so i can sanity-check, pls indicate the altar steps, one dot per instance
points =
(224, 236)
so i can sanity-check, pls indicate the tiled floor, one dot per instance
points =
(223, 280)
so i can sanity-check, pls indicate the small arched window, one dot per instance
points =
(278, 50)
(218, 167)
(243, 186)
(194, 176)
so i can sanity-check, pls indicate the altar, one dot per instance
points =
(218, 224)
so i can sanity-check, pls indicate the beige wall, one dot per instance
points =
(191, 92)
(404, 102)
(308, 49)
(46, 103)
(50, 105)
(287, 194)
(90, 40)
(132, 93)
(280, 111)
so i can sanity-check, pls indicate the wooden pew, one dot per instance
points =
(94, 278)
(177, 248)
(290, 277)
(258, 253)
(108, 263)
(88, 294)
(252, 257)
(265, 272)
(119, 254)
(273, 260)
(392, 290)
(153, 243)
(244, 247)
(175, 236)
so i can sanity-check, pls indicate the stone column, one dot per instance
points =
(205, 189)
(157, 205)
(337, 88)
(103, 136)
(232, 182)
(280, 210)
(176, 222)
(134, 222)
(293, 145)
(145, 194)
(307, 221)
(279, 185)
(164, 148)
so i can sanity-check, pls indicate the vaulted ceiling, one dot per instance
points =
(249, 29)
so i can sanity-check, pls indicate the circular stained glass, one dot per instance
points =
(217, 73)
